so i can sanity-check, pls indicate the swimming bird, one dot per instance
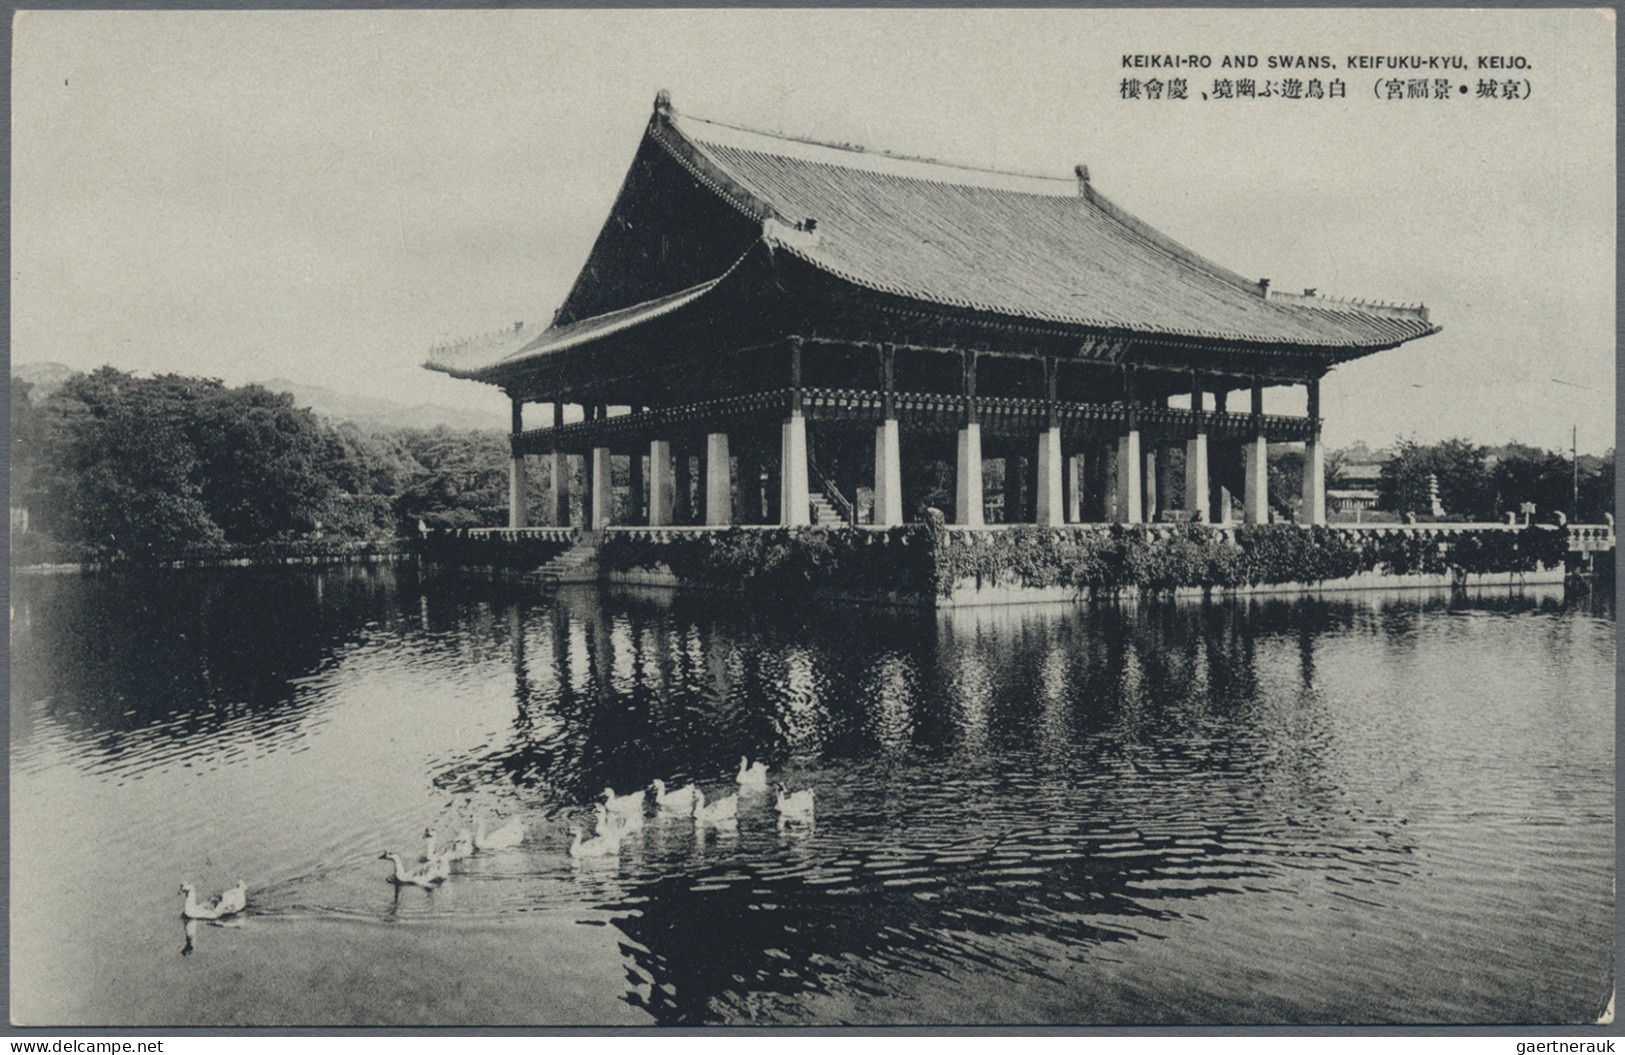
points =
(226, 903)
(505, 837)
(459, 848)
(625, 811)
(718, 814)
(678, 801)
(797, 808)
(752, 777)
(597, 846)
(426, 877)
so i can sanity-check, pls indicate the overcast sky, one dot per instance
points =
(322, 196)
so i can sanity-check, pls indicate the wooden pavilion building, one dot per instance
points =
(777, 323)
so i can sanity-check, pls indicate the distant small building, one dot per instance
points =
(1347, 500)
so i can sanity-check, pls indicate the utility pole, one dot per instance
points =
(1574, 450)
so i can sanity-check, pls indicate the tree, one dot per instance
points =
(1529, 474)
(464, 482)
(124, 465)
(1465, 491)
(264, 464)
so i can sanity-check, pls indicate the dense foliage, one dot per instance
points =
(923, 559)
(1485, 484)
(112, 467)
(782, 561)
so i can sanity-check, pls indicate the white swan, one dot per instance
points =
(679, 801)
(625, 811)
(459, 848)
(797, 808)
(226, 903)
(718, 814)
(434, 872)
(505, 837)
(752, 777)
(597, 846)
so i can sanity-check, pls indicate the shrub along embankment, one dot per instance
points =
(927, 563)
(27, 553)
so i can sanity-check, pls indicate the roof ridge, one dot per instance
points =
(857, 148)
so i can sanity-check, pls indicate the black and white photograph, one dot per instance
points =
(805, 518)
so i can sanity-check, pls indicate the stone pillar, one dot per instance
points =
(602, 489)
(1196, 490)
(1314, 482)
(1076, 474)
(1314, 464)
(968, 477)
(719, 498)
(1051, 511)
(661, 486)
(1148, 485)
(793, 498)
(517, 498)
(1129, 501)
(888, 475)
(1128, 497)
(1255, 500)
(1255, 495)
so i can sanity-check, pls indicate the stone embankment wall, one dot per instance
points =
(933, 565)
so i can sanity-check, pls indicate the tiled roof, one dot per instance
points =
(474, 357)
(1029, 249)
(1024, 246)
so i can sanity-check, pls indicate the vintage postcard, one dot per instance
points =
(641, 518)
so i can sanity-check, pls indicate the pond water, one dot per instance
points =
(1393, 808)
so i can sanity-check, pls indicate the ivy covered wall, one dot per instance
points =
(931, 560)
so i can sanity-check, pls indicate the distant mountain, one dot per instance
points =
(45, 377)
(369, 412)
(374, 413)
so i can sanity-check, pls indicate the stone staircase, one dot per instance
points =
(577, 564)
(823, 510)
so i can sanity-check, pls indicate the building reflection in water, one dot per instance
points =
(1005, 785)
